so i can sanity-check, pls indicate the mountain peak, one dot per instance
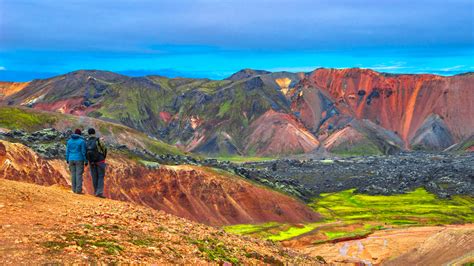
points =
(92, 73)
(246, 73)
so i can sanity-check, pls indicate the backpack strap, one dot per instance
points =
(101, 147)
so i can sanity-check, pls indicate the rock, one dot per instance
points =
(444, 174)
(449, 174)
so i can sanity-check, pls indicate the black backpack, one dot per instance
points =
(93, 154)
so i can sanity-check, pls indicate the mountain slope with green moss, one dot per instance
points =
(216, 116)
(15, 118)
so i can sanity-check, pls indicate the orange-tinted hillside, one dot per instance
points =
(400, 103)
(197, 193)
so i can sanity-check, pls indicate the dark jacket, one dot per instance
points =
(76, 148)
(100, 146)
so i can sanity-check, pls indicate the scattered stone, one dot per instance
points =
(444, 174)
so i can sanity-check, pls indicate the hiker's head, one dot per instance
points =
(91, 131)
(78, 131)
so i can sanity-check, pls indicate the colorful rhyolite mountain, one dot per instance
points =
(347, 111)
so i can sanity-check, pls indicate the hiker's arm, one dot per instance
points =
(83, 150)
(67, 152)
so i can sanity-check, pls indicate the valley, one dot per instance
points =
(288, 132)
(340, 166)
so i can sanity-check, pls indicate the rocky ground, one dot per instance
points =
(50, 225)
(49, 143)
(444, 174)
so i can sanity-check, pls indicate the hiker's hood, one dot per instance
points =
(75, 136)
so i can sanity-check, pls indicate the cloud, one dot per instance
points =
(392, 66)
(234, 24)
(452, 68)
(2, 68)
(385, 68)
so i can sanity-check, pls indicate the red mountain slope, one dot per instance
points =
(9, 88)
(400, 103)
(278, 133)
(196, 193)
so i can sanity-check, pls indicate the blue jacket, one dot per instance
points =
(76, 148)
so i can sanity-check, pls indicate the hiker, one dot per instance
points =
(76, 159)
(96, 154)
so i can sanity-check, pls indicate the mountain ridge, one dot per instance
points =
(214, 116)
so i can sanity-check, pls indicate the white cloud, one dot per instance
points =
(390, 66)
(452, 68)
(2, 68)
(386, 67)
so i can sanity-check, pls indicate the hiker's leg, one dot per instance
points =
(100, 179)
(93, 170)
(72, 170)
(79, 173)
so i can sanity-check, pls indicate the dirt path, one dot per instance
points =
(41, 225)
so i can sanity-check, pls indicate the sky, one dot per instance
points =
(215, 38)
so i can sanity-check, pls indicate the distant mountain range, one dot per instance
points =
(253, 112)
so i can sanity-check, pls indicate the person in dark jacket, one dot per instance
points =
(76, 159)
(96, 154)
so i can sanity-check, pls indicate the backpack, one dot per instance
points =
(92, 151)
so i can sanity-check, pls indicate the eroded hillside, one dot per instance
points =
(197, 193)
(46, 225)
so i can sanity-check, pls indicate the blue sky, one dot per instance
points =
(214, 38)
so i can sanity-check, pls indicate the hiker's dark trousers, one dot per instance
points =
(77, 169)
(98, 173)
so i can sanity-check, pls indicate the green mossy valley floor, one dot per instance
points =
(350, 215)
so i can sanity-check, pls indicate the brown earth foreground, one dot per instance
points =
(431, 245)
(41, 225)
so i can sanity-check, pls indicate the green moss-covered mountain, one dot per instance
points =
(29, 120)
(255, 113)
(201, 115)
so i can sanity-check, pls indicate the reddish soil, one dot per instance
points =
(165, 116)
(432, 245)
(278, 133)
(51, 225)
(9, 88)
(196, 193)
(22, 164)
(400, 103)
(70, 106)
(346, 135)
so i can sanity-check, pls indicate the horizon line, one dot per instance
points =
(181, 74)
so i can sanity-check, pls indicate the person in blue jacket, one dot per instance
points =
(76, 159)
